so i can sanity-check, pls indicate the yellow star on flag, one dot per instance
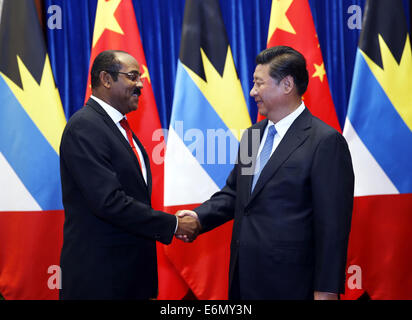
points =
(145, 73)
(319, 71)
(105, 19)
(278, 18)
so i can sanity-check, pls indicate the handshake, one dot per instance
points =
(188, 227)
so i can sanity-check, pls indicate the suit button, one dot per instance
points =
(237, 242)
(157, 236)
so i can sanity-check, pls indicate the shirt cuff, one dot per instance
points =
(177, 223)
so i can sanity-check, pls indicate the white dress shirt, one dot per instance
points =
(281, 127)
(116, 116)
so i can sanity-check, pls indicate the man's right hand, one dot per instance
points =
(188, 226)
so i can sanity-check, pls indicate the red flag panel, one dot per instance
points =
(377, 247)
(20, 236)
(209, 278)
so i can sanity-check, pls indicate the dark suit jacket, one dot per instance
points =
(110, 228)
(290, 235)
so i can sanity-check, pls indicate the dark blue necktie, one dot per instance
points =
(265, 154)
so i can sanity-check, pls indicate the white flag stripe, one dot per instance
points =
(14, 196)
(370, 178)
(186, 182)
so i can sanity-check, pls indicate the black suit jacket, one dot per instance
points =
(110, 228)
(290, 235)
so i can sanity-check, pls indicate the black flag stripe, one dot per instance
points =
(25, 40)
(387, 18)
(203, 27)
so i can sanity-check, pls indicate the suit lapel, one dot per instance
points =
(294, 137)
(93, 104)
(247, 177)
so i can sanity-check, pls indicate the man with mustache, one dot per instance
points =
(110, 228)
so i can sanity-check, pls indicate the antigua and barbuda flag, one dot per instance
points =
(208, 117)
(31, 124)
(378, 130)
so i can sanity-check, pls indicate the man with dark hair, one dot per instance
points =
(106, 61)
(285, 61)
(292, 206)
(110, 228)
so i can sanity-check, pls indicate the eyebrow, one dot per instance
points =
(134, 71)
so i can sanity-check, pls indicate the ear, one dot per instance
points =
(105, 79)
(288, 84)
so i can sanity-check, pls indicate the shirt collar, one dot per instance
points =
(113, 113)
(283, 125)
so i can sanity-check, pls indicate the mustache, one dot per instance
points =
(137, 91)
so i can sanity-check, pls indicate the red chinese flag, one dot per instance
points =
(291, 24)
(116, 29)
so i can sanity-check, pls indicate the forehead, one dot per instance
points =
(128, 62)
(261, 71)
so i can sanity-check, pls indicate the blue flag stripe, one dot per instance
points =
(380, 127)
(192, 107)
(28, 152)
